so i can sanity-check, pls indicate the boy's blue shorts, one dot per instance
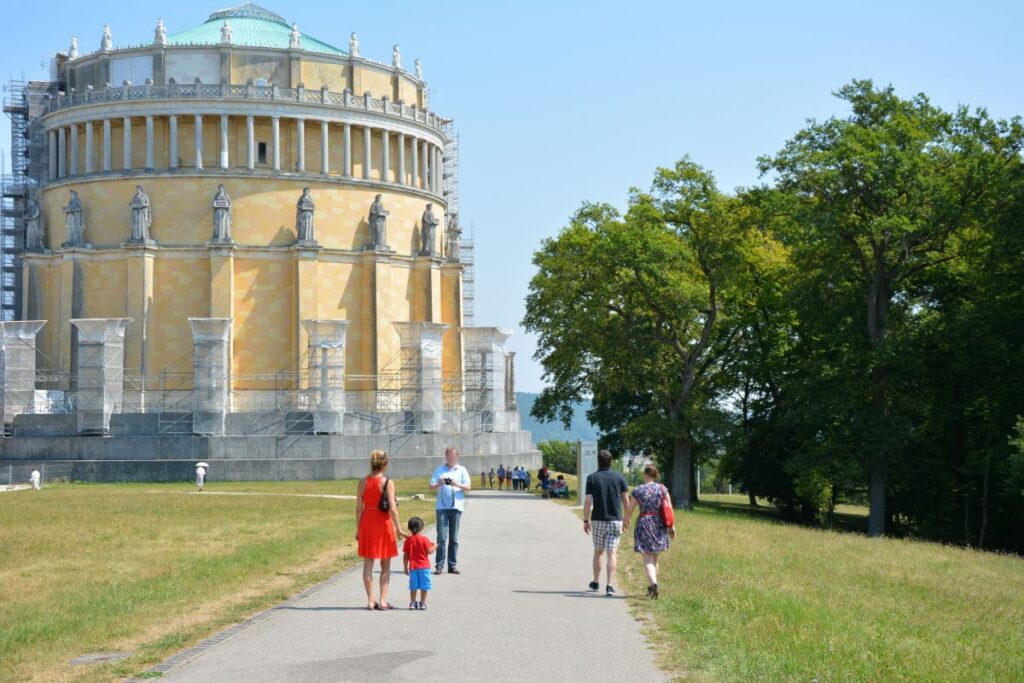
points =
(419, 580)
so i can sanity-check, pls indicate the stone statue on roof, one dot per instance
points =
(353, 45)
(107, 41)
(73, 50)
(396, 57)
(225, 33)
(419, 68)
(296, 38)
(160, 34)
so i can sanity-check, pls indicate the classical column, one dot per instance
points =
(150, 164)
(400, 177)
(421, 373)
(210, 376)
(89, 166)
(300, 138)
(18, 367)
(108, 163)
(73, 166)
(52, 150)
(385, 161)
(224, 160)
(435, 171)
(367, 137)
(325, 149)
(326, 357)
(100, 372)
(172, 143)
(346, 158)
(62, 151)
(275, 141)
(198, 140)
(415, 162)
(250, 143)
(126, 156)
(424, 159)
(484, 368)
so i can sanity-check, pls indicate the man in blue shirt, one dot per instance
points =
(451, 481)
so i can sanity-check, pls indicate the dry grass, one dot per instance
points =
(152, 569)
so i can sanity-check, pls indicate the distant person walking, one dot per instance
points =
(651, 534)
(34, 479)
(483, 480)
(490, 478)
(501, 477)
(451, 481)
(602, 517)
(200, 477)
(378, 528)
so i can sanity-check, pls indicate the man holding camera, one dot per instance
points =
(451, 481)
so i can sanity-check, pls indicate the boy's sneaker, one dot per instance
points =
(414, 605)
(594, 586)
(609, 591)
(423, 605)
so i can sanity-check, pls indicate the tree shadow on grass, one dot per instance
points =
(842, 521)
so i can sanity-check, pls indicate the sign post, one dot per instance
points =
(586, 464)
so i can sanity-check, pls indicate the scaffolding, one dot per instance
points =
(468, 258)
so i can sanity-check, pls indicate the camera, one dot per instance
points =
(447, 481)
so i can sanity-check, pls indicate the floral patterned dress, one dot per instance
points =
(650, 535)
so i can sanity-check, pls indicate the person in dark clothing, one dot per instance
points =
(602, 517)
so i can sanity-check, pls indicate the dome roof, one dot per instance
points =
(251, 26)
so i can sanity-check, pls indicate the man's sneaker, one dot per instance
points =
(594, 586)
(453, 570)
(609, 591)
(423, 605)
(414, 605)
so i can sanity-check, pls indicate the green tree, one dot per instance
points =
(638, 310)
(559, 456)
(885, 194)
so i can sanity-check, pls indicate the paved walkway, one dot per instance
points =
(519, 611)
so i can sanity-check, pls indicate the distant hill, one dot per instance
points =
(579, 430)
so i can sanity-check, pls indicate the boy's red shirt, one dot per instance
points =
(417, 549)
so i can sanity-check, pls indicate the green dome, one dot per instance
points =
(251, 26)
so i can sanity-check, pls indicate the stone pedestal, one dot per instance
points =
(421, 373)
(484, 368)
(210, 378)
(18, 367)
(326, 362)
(100, 372)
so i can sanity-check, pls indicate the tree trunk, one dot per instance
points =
(984, 502)
(876, 494)
(682, 473)
(752, 498)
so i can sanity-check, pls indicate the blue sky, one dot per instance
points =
(561, 102)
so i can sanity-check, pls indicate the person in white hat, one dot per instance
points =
(200, 476)
(34, 479)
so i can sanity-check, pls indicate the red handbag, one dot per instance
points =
(668, 515)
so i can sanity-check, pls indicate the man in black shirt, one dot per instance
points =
(602, 516)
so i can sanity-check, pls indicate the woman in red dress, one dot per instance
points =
(377, 531)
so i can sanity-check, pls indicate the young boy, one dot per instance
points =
(416, 553)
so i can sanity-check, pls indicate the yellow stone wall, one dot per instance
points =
(257, 283)
(317, 73)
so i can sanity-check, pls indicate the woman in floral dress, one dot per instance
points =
(650, 534)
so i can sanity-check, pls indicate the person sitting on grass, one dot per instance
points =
(416, 557)
(560, 489)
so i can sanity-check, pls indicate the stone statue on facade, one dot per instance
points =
(221, 215)
(107, 41)
(353, 45)
(73, 50)
(378, 224)
(428, 231)
(453, 234)
(225, 33)
(396, 57)
(33, 226)
(142, 217)
(296, 38)
(304, 217)
(419, 69)
(160, 34)
(74, 222)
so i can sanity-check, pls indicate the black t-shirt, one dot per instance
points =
(606, 486)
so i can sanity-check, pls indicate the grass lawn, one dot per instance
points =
(152, 568)
(747, 598)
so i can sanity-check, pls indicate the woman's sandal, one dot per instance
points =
(372, 607)
(384, 606)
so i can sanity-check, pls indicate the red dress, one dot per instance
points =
(377, 538)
